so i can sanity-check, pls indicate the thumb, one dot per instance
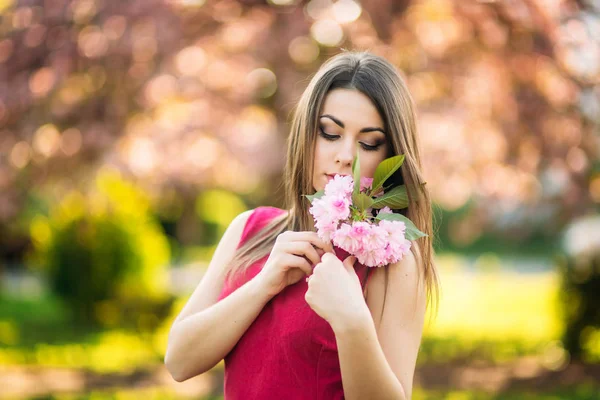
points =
(349, 264)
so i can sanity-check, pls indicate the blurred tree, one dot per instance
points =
(105, 255)
(188, 95)
(579, 294)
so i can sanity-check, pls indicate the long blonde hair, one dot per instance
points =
(382, 83)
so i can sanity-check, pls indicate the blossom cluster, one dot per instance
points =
(374, 243)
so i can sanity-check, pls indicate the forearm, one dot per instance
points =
(366, 373)
(200, 341)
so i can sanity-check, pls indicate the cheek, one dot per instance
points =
(320, 153)
(371, 161)
(317, 165)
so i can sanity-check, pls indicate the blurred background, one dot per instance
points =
(132, 133)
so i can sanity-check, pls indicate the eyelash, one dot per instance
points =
(331, 138)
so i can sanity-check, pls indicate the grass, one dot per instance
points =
(40, 332)
(579, 392)
(490, 314)
(487, 313)
(124, 394)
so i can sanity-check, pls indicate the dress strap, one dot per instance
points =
(259, 218)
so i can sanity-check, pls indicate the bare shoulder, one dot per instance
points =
(403, 283)
(230, 239)
(409, 265)
(241, 219)
(208, 289)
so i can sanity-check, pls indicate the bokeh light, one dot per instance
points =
(20, 154)
(262, 82)
(190, 60)
(146, 128)
(327, 32)
(42, 81)
(345, 11)
(303, 50)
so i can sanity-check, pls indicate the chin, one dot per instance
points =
(320, 185)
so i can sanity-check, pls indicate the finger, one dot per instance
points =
(298, 262)
(349, 263)
(311, 237)
(302, 249)
(329, 257)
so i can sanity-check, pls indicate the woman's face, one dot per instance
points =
(349, 122)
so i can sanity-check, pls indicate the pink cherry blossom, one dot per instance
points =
(339, 207)
(359, 230)
(319, 209)
(375, 239)
(343, 239)
(374, 244)
(366, 258)
(339, 186)
(365, 183)
(326, 229)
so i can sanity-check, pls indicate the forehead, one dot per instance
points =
(352, 107)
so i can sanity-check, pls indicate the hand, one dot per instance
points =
(292, 258)
(335, 293)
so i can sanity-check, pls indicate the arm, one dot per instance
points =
(204, 332)
(378, 355)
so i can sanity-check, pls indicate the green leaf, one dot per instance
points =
(385, 169)
(317, 195)
(411, 233)
(356, 173)
(395, 199)
(361, 201)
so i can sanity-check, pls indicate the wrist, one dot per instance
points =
(259, 289)
(358, 321)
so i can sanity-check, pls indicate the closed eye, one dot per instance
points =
(328, 136)
(369, 147)
(365, 146)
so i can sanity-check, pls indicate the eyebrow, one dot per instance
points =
(341, 124)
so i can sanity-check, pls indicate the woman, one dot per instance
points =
(293, 317)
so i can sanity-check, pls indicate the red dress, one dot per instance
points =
(289, 352)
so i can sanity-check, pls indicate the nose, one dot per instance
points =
(346, 153)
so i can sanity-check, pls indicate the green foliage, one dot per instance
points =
(38, 331)
(356, 172)
(216, 209)
(579, 299)
(386, 169)
(514, 316)
(575, 392)
(394, 199)
(317, 195)
(539, 243)
(361, 201)
(492, 314)
(105, 255)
